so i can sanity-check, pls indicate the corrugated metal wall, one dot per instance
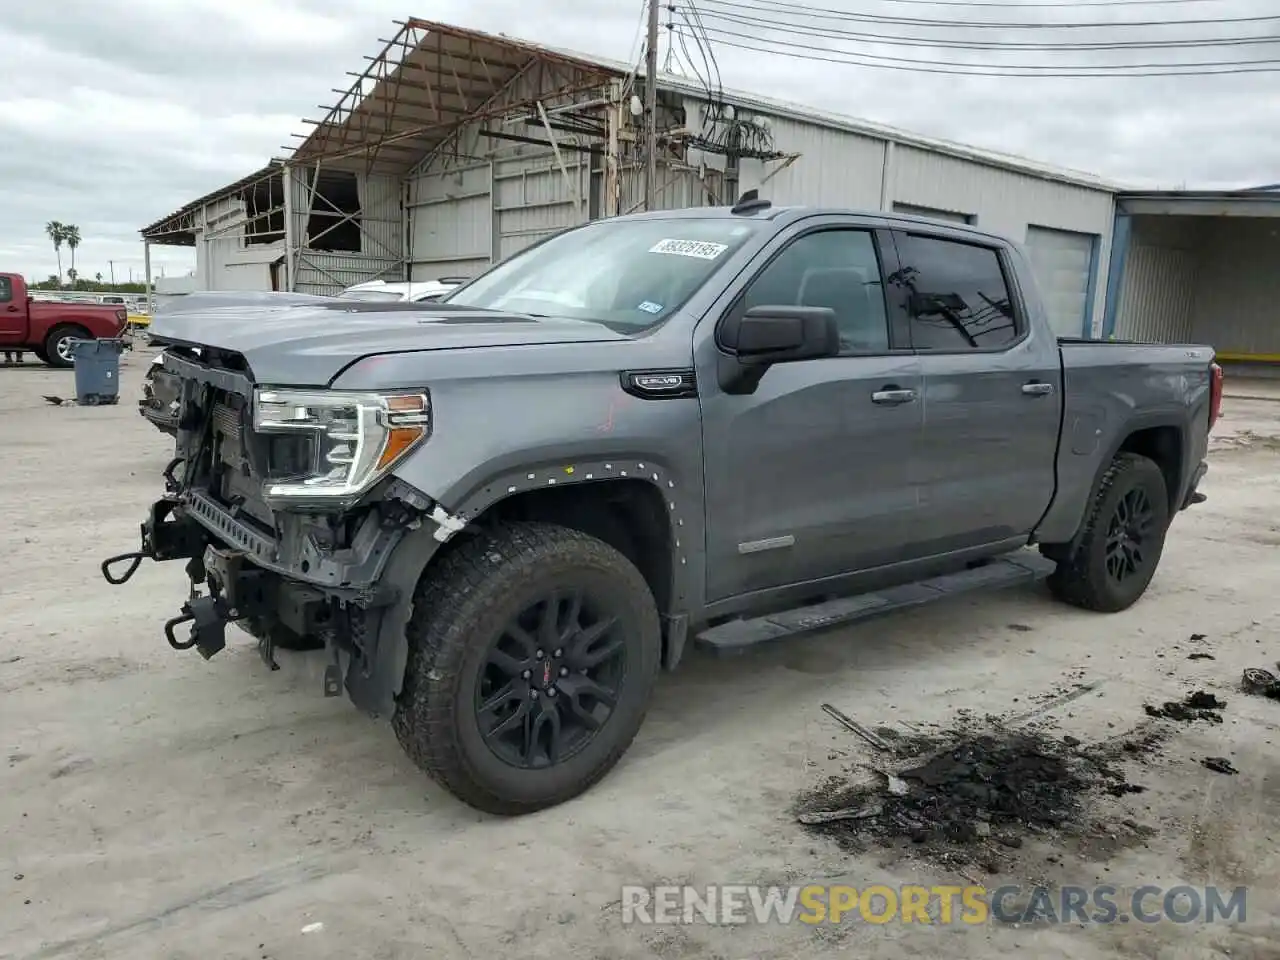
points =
(1238, 286)
(381, 236)
(488, 201)
(532, 199)
(1160, 281)
(224, 261)
(835, 168)
(846, 169)
(450, 221)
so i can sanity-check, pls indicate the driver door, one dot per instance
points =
(813, 475)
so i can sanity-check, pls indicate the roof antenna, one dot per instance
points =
(750, 202)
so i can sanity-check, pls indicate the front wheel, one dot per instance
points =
(533, 652)
(1122, 541)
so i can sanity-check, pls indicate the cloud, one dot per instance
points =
(113, 115)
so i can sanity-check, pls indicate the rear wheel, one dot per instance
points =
(533, 654)
(57, 346)
(1122, 541)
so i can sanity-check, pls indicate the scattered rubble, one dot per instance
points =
(984, 787)
(1260, 682)
(1195, 706)
(1219, 765)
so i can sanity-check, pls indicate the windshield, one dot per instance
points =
(371, 295)
(628, 274)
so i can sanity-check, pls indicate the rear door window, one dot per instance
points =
(956, 295)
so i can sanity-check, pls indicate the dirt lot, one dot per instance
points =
(155, 805)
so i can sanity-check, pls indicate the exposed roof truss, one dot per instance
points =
(429, 80)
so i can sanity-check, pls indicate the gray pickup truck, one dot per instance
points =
(501, 515)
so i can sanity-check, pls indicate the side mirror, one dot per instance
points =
(779, 334)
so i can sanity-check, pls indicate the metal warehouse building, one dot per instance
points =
(453, 149)
(1199, 266)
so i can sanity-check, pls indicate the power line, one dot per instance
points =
(781, 6)
(1047, 4)
(807, 30)
(1030, 67)
(856, 59)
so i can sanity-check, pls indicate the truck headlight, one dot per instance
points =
(329, 447)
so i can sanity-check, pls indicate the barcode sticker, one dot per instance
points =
(702, 249)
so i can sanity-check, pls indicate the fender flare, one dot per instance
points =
(375, 689)
(1130, 427)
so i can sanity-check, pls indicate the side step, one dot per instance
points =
(1025, 566)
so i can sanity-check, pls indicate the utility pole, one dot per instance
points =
(651, 108)
(112, 265)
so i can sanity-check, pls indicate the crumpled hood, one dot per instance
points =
(306, 341)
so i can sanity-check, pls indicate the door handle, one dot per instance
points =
(1037, 389)
(892, 395)
(12, 308)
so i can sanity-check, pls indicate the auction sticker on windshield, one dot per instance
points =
(702, 249)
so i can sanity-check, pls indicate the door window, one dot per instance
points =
(956, 295)
(838, 269)
(6, 289)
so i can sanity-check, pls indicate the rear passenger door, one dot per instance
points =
(991, 391)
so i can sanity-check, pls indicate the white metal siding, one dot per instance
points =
(450, 222)
(1062, 262)
(533, 200)
(835, 168)
(381, 223)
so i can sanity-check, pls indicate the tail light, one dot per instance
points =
(1215, 393)
(123, 317)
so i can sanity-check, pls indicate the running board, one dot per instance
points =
(1026, 566)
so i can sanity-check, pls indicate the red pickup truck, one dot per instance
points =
(47, 329)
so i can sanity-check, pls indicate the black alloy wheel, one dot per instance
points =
(1130, 528)
(1118, 548)
(533, 650)
(551, 680)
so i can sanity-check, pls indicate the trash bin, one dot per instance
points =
(97, 365)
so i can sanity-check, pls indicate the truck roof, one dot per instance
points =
(787, 214)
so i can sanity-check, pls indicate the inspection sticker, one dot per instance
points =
(702, 249)
(650, 307)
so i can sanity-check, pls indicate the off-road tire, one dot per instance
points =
(55, 337)
(1081, 577)
(459, 608)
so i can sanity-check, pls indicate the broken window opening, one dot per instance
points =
(264, 211)
(326, 227)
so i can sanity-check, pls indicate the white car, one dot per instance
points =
(396, 291)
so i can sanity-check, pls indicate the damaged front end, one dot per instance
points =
(282, 503)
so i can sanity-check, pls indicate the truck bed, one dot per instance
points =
(1112, 389)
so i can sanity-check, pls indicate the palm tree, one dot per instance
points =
(71, 234)
(98, 276)
(57, 233)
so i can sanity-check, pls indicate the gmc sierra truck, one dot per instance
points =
(47, 329)
(504, 513)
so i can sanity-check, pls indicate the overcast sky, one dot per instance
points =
(112, 115)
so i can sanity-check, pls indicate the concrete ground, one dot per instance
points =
(156, 805)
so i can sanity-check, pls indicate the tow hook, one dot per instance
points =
(208, 616)
(136, 559)
(163, 537)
